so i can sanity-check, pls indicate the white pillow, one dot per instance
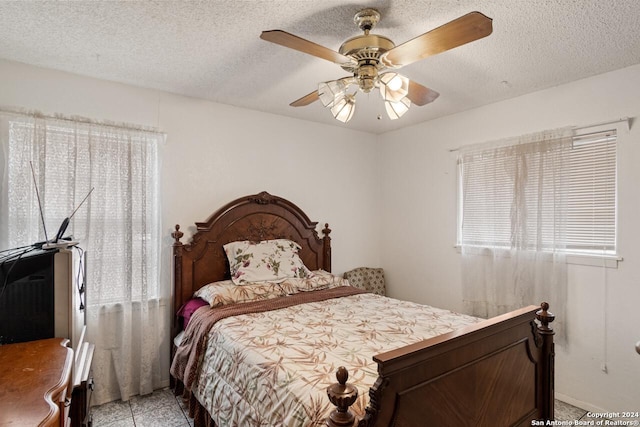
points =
(265, 261)
(226, 292)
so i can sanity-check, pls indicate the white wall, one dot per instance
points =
(419, 226)
(216, 153)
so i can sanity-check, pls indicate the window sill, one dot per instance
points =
(607, 261)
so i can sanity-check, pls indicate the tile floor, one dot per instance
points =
(159, 409)
(163, 409)
(566, 412)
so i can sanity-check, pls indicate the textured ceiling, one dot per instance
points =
(212, 49)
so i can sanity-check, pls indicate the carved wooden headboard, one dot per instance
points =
(255, 217)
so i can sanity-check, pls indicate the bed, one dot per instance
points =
(491, 372)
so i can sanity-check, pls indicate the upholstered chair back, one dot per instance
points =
(371, 279)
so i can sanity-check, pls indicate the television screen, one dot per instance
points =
(27, 298)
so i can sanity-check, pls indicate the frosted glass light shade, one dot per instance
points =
(393, 87)
(330, 92)
(344, 107)
(395, 110)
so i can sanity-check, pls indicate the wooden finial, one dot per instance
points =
(545, 317)
(342, 395)
(326, 230)
(177, 235)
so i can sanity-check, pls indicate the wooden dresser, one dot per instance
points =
(82, 385)
(35, 383)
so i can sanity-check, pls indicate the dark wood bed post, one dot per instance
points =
(177, 280)
(326, 248)
(546, 334)
(177, 262)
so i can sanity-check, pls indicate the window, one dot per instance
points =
(118, 226)
(560, 193)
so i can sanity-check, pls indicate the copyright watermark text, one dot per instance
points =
(596, 419)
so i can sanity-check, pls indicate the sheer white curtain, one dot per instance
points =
(118, 227)
(512, 225)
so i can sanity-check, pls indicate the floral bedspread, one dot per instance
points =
(272, 368)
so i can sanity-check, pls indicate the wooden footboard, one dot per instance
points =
(498, 372)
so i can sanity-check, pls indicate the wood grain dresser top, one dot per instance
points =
(33, 376)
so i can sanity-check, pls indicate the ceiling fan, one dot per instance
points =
(372, 59)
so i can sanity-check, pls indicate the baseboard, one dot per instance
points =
(578, 403)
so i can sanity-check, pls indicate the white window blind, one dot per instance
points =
(505, 193)
(591, 196)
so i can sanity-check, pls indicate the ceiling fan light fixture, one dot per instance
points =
(367, 77)
(344, 107)
(393, 87)
(395, 110)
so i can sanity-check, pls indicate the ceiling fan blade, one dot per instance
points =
(421, 95)
(467, 28)
(305, 46)
(306, 100)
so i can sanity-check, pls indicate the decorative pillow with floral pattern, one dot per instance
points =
(265, 261)
(226, 292)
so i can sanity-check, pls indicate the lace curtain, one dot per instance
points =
(513, 220)
(118, 227)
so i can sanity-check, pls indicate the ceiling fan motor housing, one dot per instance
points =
(367, 44)
(366, 49)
